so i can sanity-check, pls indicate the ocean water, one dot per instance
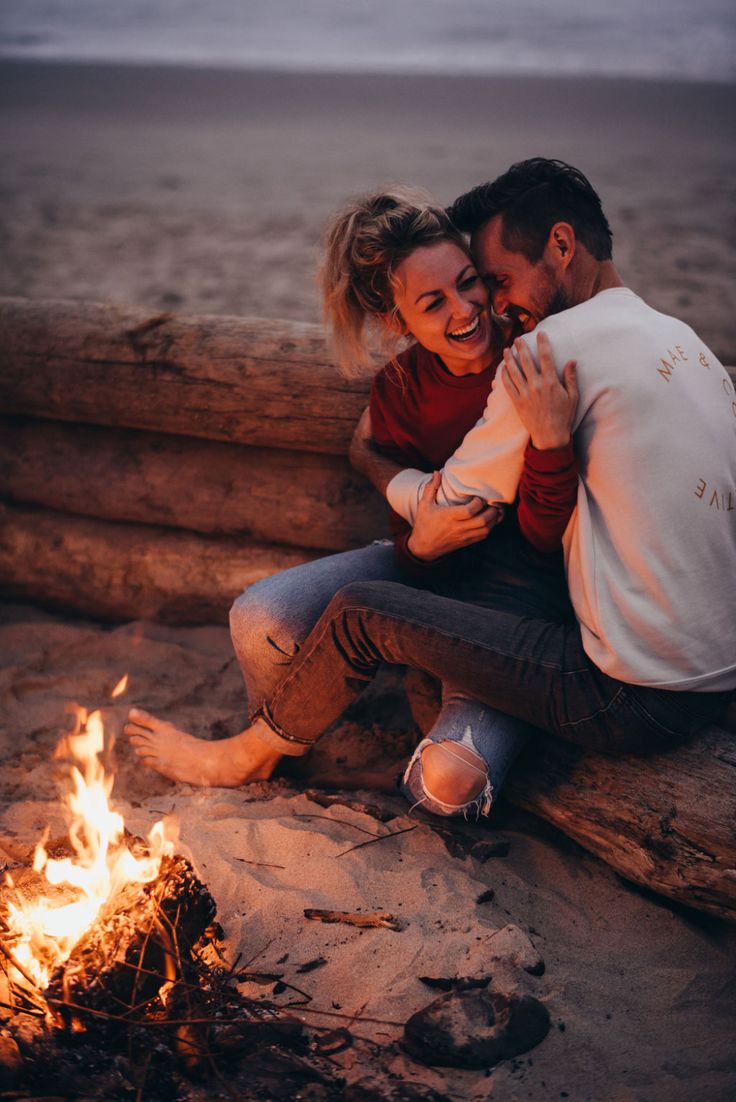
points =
(658, 39)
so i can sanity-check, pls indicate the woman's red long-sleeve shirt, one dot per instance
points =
(420, 413)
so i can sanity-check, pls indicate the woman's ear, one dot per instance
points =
(393, 324)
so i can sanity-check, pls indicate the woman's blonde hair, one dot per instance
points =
(364, 244)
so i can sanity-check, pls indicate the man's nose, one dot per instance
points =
(500, 300)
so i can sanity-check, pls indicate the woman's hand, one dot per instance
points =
(440, 529)
(545, 403)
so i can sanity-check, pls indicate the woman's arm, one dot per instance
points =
(490, 460)
(437, 531)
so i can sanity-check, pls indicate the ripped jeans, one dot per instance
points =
(272, 618)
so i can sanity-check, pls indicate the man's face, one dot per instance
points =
(525, 292)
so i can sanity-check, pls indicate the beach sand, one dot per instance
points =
(207, 191)
(640, 994)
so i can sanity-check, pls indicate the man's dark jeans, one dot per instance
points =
(531, 668)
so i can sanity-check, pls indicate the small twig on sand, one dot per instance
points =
(348, 1017)
(258, 954)
(259, 864)
(379, 838)
(374, 919)
(343, 822)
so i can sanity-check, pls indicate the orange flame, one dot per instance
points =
(45, 933)
(121, 686)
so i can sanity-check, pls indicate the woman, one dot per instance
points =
(396, 262)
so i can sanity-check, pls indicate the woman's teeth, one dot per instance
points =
(467, 331)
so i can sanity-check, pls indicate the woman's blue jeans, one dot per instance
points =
(532, 669)
(273, 618)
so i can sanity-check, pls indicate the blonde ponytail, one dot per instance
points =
(364, 244)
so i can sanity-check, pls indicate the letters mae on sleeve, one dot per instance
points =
(487, 464)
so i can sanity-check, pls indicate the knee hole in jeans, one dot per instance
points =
(452, 773)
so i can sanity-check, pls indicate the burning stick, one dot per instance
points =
(373, 920)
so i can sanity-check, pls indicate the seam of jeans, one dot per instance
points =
(595, 714)
(647, 716)
(264, 714)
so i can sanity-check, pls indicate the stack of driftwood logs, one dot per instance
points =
(152, 466)
(157, 465)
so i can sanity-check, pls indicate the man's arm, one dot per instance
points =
(437, 531)
(487, 464)
(489, 461)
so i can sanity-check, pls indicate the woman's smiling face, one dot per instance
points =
(444, 304)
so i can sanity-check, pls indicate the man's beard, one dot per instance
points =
(557, 303)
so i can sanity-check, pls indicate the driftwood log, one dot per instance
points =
(666, 821)
(129, 571)
(300, 499)
(249, 381)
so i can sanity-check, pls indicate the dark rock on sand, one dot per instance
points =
(475, 1029)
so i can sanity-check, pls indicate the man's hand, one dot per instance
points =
(364, 457)
(545, 403)
(440, 529)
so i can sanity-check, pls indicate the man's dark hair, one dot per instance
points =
(532, 196)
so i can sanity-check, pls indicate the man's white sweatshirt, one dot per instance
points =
(650, 550)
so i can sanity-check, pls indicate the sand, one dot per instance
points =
(207, 191)
(640, 994)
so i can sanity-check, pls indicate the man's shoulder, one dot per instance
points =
(610, 307)
(617, 313)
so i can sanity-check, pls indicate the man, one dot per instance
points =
(650, 550)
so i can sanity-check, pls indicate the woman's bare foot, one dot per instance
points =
(181, 757)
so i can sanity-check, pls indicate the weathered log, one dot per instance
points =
(275, 496)
(665, 821)
(129, 571)
(251, 381)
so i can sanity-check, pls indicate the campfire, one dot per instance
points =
(109, 938)
(114, 980)
(44, 929)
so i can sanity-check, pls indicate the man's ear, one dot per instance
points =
(561, 245)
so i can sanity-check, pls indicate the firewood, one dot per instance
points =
(129, 571)
(137, 944)
(373, 919)
(254, 381)
(274, 496)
